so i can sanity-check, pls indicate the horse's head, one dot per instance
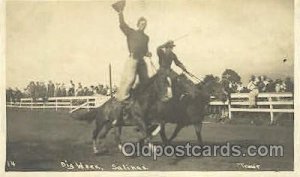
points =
(183, 85)
(214, 88)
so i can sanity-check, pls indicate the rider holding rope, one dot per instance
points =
(166, 57)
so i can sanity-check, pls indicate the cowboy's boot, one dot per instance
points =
(168, 92)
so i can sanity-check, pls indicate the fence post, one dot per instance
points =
(44, 104)
(271, 110)
(229, 108)
(88, 104)
(71, 104)
(31, 103)
(55, 104)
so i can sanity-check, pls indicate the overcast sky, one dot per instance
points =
(60, 41)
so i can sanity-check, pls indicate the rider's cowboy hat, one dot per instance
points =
(170, 44)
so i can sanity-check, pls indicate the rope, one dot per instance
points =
(193, 76)
(187, 72)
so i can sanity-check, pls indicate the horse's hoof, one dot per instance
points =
(120, 147)
(101, 152)
(152, 146)
(156, 131)
(114, 122)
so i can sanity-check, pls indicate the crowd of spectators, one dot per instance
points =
(260, 84)
(41, 90)
(257, 84)
(263, 84)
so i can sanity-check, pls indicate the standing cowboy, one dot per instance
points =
(166, 57)
(137, 42)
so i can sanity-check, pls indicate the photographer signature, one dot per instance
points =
(249, 166)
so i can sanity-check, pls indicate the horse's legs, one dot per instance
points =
(98, 128)
(143, 128)
(176, 131)
(137, 114)
(107, 127)
(118, 131)
(163, 134)
(198, 128)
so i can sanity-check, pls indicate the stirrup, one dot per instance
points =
(114, 122)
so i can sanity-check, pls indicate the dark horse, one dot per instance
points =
(143, 96)
(186, 107)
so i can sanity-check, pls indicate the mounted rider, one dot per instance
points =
(166, 57)
(137, 42)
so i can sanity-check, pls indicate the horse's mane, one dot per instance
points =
(192, 90)
(189, 85)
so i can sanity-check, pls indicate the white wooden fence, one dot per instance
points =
(265, 102)
(72, 103)
(239, 102)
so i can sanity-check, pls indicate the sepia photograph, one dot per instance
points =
(149, 85)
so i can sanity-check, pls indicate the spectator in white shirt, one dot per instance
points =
(252, 86)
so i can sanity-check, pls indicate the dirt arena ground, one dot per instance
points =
(53, 141)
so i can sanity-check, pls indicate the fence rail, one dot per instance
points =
(71, 103)
(266, 102)
(239, 102)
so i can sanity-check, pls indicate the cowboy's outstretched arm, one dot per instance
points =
(123, 25)
(179, 64)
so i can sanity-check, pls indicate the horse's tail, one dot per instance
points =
(89, 116)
